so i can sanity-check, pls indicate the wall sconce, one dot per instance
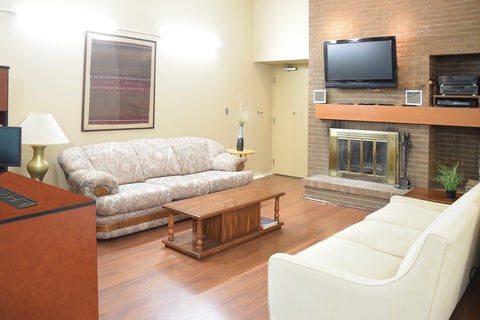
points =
(40, 130)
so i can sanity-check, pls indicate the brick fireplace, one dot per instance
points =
(364, 155)
(429, 144)
(430, 41)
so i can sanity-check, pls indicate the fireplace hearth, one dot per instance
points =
(429, 144)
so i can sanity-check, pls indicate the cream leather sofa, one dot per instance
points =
(411, 259)
(131, 180)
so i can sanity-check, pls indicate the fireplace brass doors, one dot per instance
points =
(363, 154)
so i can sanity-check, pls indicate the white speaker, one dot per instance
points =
(413, 97)
(319, 96)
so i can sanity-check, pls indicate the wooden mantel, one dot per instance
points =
(460, 117)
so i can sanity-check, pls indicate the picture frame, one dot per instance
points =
(119, 83)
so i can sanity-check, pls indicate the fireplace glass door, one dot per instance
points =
(368, 155)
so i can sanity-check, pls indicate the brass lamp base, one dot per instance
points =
(38, 166)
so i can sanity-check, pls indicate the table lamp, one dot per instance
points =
(40, 130)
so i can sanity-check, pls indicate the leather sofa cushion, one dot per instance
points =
(384, 237)
(351, 257)
(405, 215)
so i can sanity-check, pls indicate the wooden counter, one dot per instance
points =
(48, 264)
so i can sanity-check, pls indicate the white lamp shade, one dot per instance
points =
(42, 129)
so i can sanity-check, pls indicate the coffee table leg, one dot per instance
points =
(199, 242)
(170, 227)
(277, 209)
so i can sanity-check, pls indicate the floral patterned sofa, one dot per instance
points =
(131, 180)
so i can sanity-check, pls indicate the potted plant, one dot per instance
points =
(450, 178)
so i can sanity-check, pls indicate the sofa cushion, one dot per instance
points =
(133, 197)
(384, 237)
(156, 157)
(350, 257)
(192, 154)
(182, 187)
(213, 147)
(116, 158)
(222, 180)
(74, 159)
(404, 215)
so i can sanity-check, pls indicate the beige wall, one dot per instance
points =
(192, 93)
(281, 30)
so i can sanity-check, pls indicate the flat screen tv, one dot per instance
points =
(10, 147)
(361, 63)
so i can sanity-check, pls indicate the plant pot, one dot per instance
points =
(451, 194)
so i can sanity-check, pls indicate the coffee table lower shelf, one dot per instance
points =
(186, 242)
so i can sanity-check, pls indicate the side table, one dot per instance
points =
(241, 154)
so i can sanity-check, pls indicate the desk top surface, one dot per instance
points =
(50, 199)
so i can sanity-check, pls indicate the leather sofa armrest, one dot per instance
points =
(93, 184)
(228, 162)
(298, 290)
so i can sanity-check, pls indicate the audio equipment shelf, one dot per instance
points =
(460, 117)
(460, 98)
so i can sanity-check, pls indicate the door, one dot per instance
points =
(290, 122)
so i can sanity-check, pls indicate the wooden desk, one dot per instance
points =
(48, 263)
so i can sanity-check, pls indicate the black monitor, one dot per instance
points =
(361, 63)
(10, 147)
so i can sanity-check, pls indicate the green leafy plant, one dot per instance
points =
(449, 177)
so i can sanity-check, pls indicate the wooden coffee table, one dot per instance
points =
(221, 219)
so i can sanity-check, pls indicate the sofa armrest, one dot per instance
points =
(228, 162)
(299, 290)
(93, 184)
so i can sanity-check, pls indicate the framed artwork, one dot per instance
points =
(119, 83)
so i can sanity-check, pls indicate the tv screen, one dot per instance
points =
(361, 63)
(10, 147)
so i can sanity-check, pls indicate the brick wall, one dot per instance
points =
(459, 144)
(432, 37)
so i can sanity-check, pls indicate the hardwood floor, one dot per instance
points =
(141, 279)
